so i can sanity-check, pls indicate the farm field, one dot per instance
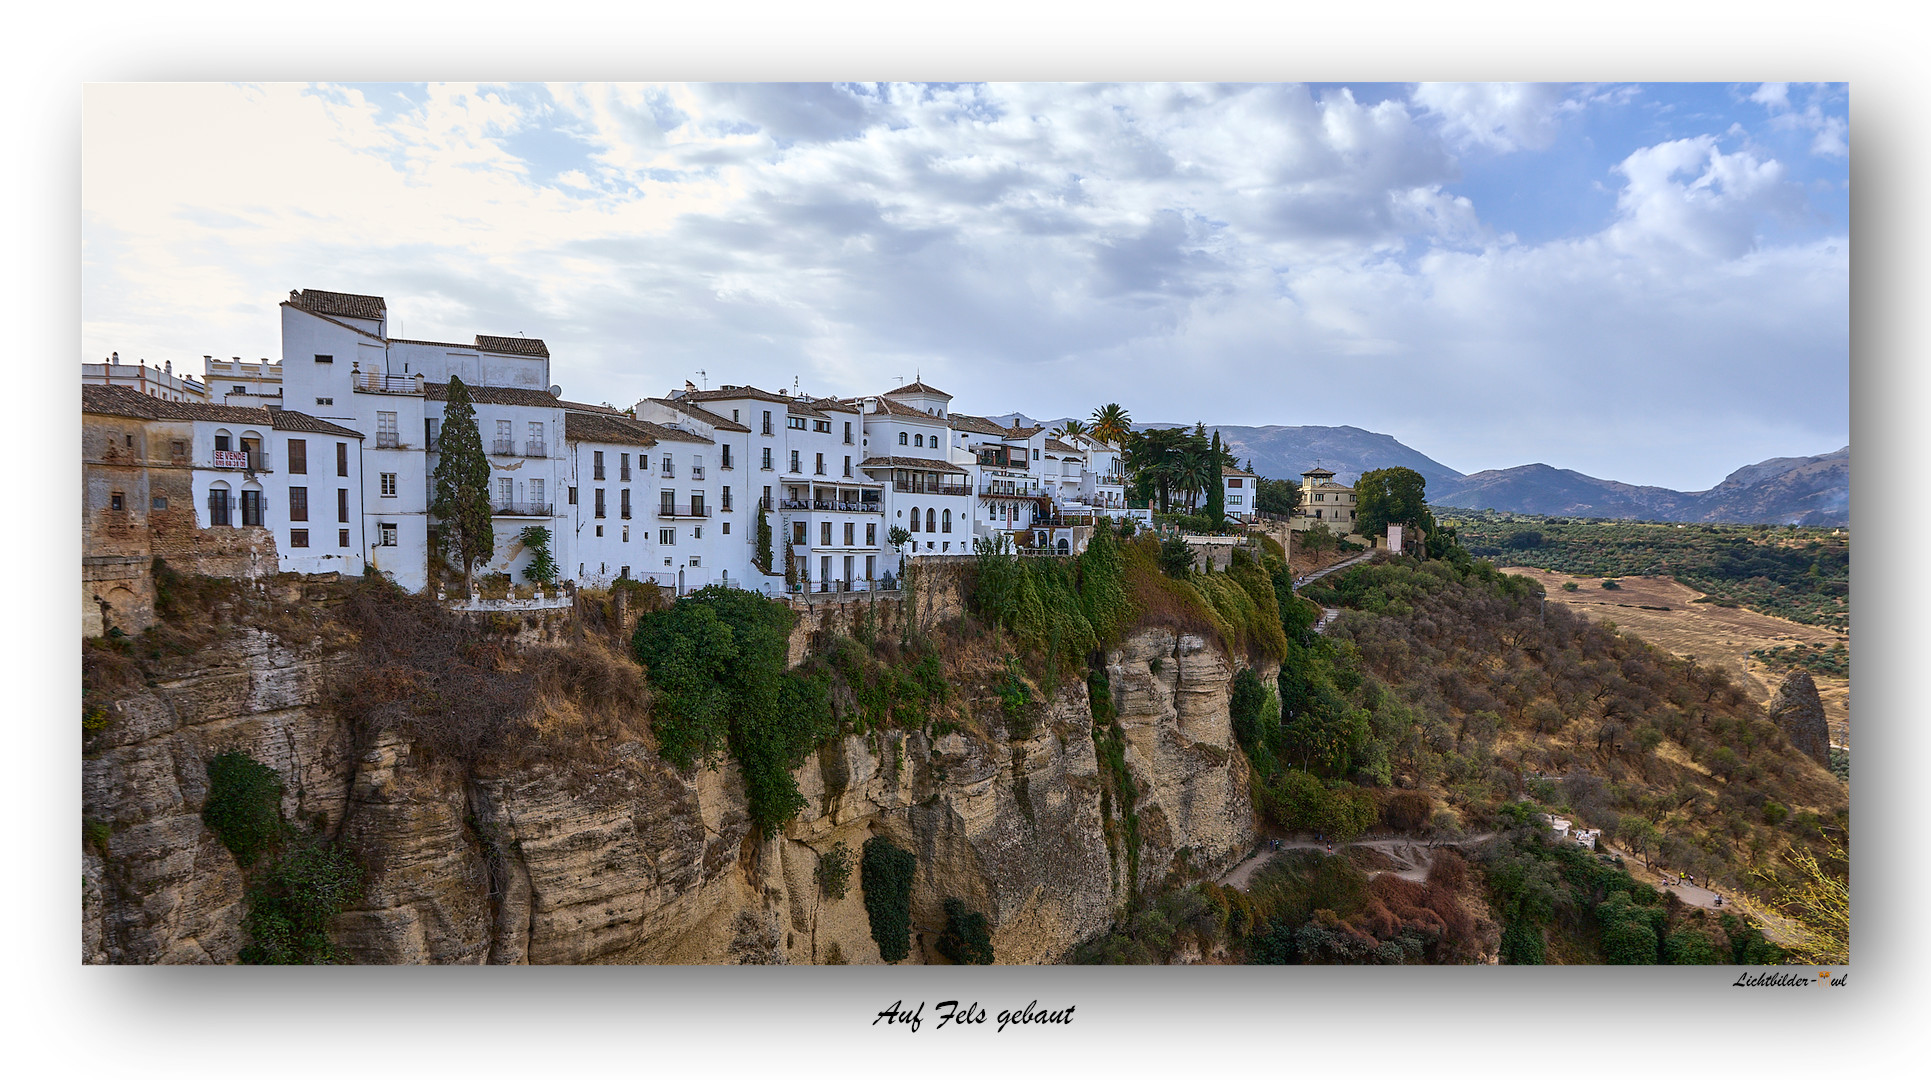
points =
(1663, 612)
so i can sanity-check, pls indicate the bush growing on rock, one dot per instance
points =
(885, 875)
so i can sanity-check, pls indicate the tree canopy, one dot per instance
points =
(461, 500)
(1393, 496)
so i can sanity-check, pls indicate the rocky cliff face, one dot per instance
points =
(631, 861)
(1799, 711)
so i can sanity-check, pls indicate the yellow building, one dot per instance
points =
(1325, 502)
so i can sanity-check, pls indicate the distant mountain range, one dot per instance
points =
(1779, 491)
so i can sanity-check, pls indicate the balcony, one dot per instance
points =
(932, 489)
(832, 505)
(536, 449)
(697, 472)
(522, 509)
(374, 382)
(674, 512)
(502, 447)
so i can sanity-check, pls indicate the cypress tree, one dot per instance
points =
(461, 502)
(1216, 487)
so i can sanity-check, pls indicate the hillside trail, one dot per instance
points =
(1412, 857)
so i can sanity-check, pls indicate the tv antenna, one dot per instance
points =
(704, 378)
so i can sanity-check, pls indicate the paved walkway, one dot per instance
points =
(1326, 570)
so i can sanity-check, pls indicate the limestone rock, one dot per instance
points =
(1800, 713)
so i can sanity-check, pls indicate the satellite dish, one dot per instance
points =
(555, 390)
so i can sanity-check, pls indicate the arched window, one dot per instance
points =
(931, 516)
(947, 520)
(221, 504)
(915, 519)
(224, 440)
(901, 438)
(1064, 549)
(918, 440)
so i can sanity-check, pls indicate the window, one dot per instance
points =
(665, 467)
(871, 535)
(536, 493)
(599, 500)
(599, 530)
(298, 538)
(573, 496)
(734, 416)
(820, 463)
(388, 485)
(298, 504)
(724, 500)
(341, 538)
(871, 567)
(727, 528)
(623, 571)
(324, 358)
(848, 464)
(947, 520)
(767, 458)
(849, 530)
(930, 517)
(298, 457)
(915, 519)
(696, 534)
(537, 448)
(903, 439)
(385, 431)
(797, 532)
(505, 491)
(1233, 483)
(159, 502)
(222, 441)
(342, 504)
(432, 430)
(1035, 455)
(667, 504)
(796, 423)
(218, 506)
(251, 508)
(794, 462)
(667, 537)
(623, 504)
(341, 459)
(724, 456)
(824, 534)
(918, 440)
(694, 560)
(821, 425)
(596, 464)
(697, 504)
(623, 468)
(325, 401)
(178, 449)
(848, 433)
(387, 531)
(238, 389)
(505, 438)
(767, 431)
(626, 534)
(697, 466)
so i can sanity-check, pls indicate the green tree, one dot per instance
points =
(1394, 496)
(542, 566)
(763, 556)
(1070, 428)
(1216, 487)
(885, 876)
(1176, 556)
(1276, 496)
(1111, 423)
(461, 502)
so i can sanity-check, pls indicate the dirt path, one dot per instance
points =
(1412, 856)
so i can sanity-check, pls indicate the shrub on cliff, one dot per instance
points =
(289, 908)
(244, 807)
(885, 875)
(967, 938)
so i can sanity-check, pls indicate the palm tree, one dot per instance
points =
(1111, 423)
(1071, 428)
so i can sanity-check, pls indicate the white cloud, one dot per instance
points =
(1502, 117)
(1195, 252)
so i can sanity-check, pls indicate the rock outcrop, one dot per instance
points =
(1800, 713)
(629, 860)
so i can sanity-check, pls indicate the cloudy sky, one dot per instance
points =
(1648, 283)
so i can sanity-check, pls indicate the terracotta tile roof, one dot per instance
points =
(512, 395)
(734, 393)
(799, 408)
(345, 305)
(668, 434)
(836, 405)
(918, 463)
(334, 321)
(893, 408)
(1055, 444)
(122, 401)
(1017, 432)
(696, 413)
(920, 388)
(515, 346)
(603, 428)
(979, 424)
(1317, 471)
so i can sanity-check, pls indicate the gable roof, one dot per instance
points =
(1055, 444)
(123, 401)
(696, 413)
(979, 424)
(916, 387)
(511, 395)
(515, 346)
(918, 463)
(333, 321)
(603, 428)
(345, 305)
(729, 392)
(893, 408)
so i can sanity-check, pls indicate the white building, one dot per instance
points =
(156, 382)
(1240, 491)
(235, 382)
(293, 474)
